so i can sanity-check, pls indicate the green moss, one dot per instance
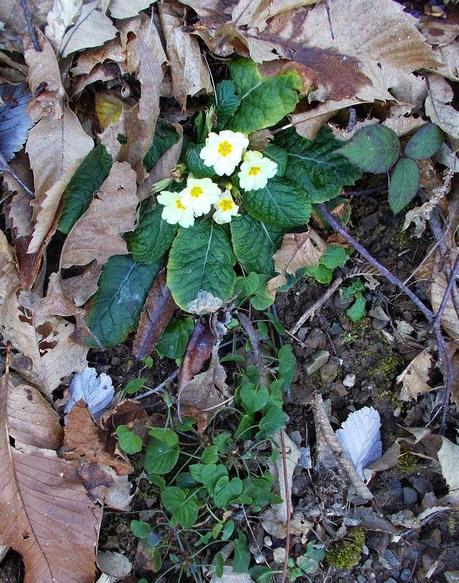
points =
(401, 240)
(387, 368)
(407, 464)
(346, 554)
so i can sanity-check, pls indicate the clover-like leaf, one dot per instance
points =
(425, 142)
(403, 184)
(162, 451)
(373, 149)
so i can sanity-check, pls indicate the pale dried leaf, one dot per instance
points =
(44, 70)
(81, 287)
(448, 456)
(122, 9)
(12, 15)
(438, 106)
(61, 16)
(97, 234)
(284, 479)
(92, 29)
(56, 147)
(229, 576)
(111, 51)
(114, 564)
(190, 73)
(415, 377)
(32, 480)
(298, 250)
(448, 56)
(20, 213)
(450, 319)
(56, 302)
(256, 14)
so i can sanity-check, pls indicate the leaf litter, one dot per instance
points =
(75, 75)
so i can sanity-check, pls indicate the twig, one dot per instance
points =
(323, 425)
(383, 270)
(288, 505)
(159, 388)
(30, 27)
(445, 360)
(311, 311)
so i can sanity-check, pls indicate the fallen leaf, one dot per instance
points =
(114, 564)
(56, 147)
(416, 375)
(298, 250)
(83, 440)
(81, 287)
(42, 498)
(438, 106)
(450, 320)
(190, 73)
(92, 29)
(12, 15)
(97, 233)
(156, 315)
(15, 121)
(96, 391)
(60, 17)
(121, 9)
(448, 456)
(108, 108)
(230, 576)
(44, 79)
(205, 392)
(199, 349)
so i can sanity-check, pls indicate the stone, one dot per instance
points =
(315, 339)
(279, 555)
(329, 372)
(336, 329)
(295, 436)
(316, 362)
(349, 380)
(305, 461)
(410, 496)
(405, 575)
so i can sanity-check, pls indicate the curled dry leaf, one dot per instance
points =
(121, 9)
(97, 234)
(448, 456)
(450, 319)
(156, 315)
(56, 147)
(43, 74)
(298, 250)
(12, 15)
(190, 73)
(205, 392)
(202, 342)
(62, 15)
(438, 106)
(43, 501)
(415, 377)
(84, 441)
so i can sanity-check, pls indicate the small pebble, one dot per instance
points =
(405, 575)
(349, 380)
(295, 436)
(329, 372)
(305, 461)
(268, 541)
(316, 362)
(279, 555)
(336, 329)
(315, 339)
(410, 496)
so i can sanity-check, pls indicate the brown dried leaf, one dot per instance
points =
(56, 147)
(12, 15)
(190, 73)
(198, 351)
(156, 315)
(43, 70)
(450, 319)
(205, 392)
(97, 234)
(415, 377)
(437, 106)
(43, 501)
(85, 441)
(298, 250)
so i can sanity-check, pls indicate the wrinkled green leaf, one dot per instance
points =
(134, 385)
(152, 237)
(226, 102)
(195, 164)
(208, 474)
(403, 184)
(373, 149)
(280, 204)
(278, 155)
(253, 397)
(140, 528)
(115, 308)
(200, 271)
(254, 243)
(425, 142)
(241, 559)
(287, 364)
(85, 182)
(265, 100)
(317, 165)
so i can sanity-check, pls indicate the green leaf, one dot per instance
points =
(134, 385)
(262, 300)
(254, 243)
(128, 441)
(162, 451)
(221, 441)
(115, 308)
(425, 143)
(195, 164)
(403, 184)
(373, 149)
(265, 100)
(228, 530)
(226, 102)
(165, 137)
(272, 421)
(317, 165)
(219, 564)
(182, 505)
(210, 455)
(335, 256)
(200, 271)
(253, 397)
(208, 474)
(175, 337)
(320, 273)
(226, 491)
(152, 237)
(287, 364)
(140, 529)
(85, 182)
(157, 481)
(357, 311)
(310, 561)
(241, 559)
(278, 155)
(281, 204)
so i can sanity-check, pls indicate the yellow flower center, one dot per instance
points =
(225, 148)
(254, 170)
(196, 191)
(226, 204)
(179, 205)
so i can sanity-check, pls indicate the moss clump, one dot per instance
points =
(401, 240)
(407, 464)
(346, 554)
(387, 368)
